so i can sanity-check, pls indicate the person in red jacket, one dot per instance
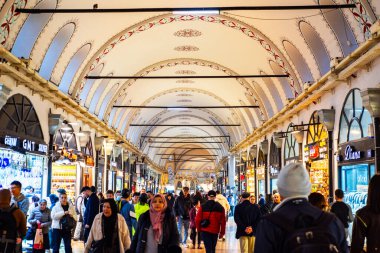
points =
(211, 221)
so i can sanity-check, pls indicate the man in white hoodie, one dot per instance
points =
(224, 202)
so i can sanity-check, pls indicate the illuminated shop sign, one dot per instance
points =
(316, 151)
(274, 171)
(25, 144)
(351, 154)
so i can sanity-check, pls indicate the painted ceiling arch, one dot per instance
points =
(230, 22)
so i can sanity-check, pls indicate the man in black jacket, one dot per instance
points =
(182, 206)
(246, 216)
(92, 209)
(342, 210)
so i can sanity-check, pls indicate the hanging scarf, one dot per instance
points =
(157, 218)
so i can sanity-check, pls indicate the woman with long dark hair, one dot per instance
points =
(367, 221)
(109, 232)
(156, 230)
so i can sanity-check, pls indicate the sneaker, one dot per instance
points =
(223, 239)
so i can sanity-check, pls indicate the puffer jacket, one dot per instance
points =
(96, 233)
(42, 216)
(58, 212)
(170, 235)
(22, 203)
(366, 225)
(213, 211)
(270, 237)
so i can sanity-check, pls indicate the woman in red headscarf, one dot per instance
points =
(156, 230)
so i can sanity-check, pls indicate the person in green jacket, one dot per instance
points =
(142, 206)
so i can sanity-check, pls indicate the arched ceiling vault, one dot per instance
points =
(147, 44)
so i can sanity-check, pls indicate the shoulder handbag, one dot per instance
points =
(97, 246)
(67, 222)
(206, 222)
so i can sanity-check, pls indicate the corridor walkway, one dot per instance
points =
(230, 245)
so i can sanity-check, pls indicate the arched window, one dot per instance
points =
(341, 28)
(97, 94)
(90, 82)
(274, 91)
(73, 66)
(19, 117)
(66, 139)
(316, 46)
(298, 61)
(291, 147)
(263, 96)
(355, 120)
(55, 50)
(316, 131)
(103, 104)
(31, 29)
(284, 83)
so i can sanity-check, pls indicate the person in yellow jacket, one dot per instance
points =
(141, 207)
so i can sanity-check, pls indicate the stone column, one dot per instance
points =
(231, 172)
(371, 101)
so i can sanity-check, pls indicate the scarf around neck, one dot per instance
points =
(157, 218)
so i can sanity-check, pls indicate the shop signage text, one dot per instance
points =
(350, 154)
(28, 145)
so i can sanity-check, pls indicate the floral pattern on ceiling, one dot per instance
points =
(185, 72)
(187, 33)
(186, 48)
(362, 17)
(185, 81)
(9, 19)
(234, 24)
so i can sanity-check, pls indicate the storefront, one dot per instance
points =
(316, 156)
(356, 155)
(260, 174)
(65, 168)
(274, 165)
(23, 152)
(87, 165)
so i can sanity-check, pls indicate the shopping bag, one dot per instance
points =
(38, 239)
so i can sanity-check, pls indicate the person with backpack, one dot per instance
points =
(128, 211)
(295, 223)
(63, 214)
(246, 216)
(12, 223)
(40, 216)
(367, 221)
(342, 210)
(80, 207)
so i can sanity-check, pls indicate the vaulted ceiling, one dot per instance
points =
(67, 47)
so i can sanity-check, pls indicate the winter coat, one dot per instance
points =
(170, 236)
(57, 213)
(213, 211)
(140, 209)
(22, 203)
(366, 225)
(182, 206)
(42, 216)
(246, 215)
(92, 209)
(270, 237)
(96, 233)
(224, 202)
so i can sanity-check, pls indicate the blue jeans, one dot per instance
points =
(186, 224)
(58, 235)
(210, 241)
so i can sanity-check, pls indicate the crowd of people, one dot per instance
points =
(141, 222)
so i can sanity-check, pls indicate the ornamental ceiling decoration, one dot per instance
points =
(186, 62)
(185, 72)
(187, 33)
(184, 95)
(222, 20)
(186, 48)
(9, 19)
(361, 16)
(185, 81)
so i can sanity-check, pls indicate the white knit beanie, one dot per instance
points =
(293, 180)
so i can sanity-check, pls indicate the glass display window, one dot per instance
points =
(261, 187)
(64, 177)
(291, 150)
(273, 184)
(354, 182)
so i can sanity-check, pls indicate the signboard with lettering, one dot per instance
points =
(24, 144)
(316, 151)
(356, 151)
